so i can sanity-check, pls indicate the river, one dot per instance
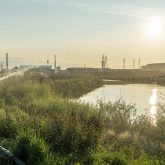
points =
(145, 96)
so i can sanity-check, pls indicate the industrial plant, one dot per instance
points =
(54, 69)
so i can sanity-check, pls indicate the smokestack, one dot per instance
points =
(55, 62)
(139, 63)
(106, 62)
(7, 61)
(47, 61)
(102, 62)
(124, 61)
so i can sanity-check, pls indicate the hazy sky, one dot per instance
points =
(80, 31)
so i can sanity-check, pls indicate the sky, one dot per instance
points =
(80, 31)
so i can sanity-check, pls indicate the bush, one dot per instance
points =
(32, 149)
(8, 128)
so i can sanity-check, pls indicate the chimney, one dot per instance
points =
(7, 61)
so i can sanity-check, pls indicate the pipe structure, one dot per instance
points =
(10, 156)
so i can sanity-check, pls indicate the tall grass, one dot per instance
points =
(42, 125)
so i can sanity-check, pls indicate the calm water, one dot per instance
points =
(144, 96)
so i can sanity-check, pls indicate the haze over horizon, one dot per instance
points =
(80, 31)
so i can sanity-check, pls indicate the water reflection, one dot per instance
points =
(146, 96)
(153, 99)
(153, 110)
(153, 103)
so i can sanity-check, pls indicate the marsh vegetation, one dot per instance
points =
(42, 125)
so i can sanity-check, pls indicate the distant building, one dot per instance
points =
(27, 66)
(154, 67)
(39, 68)
(44, 67)
(57, 69)
(35, 66)
(74, 70)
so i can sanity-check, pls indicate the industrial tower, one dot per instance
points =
(104, 62)
(139, 63)
(55, 64)
(7, 61)
(124, 61)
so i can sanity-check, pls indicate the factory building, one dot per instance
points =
(39, 68)
(48, 69)
(154, 67)
(79, 70)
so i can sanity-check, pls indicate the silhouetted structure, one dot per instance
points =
(79, 70)
(57, 69)
(106, 62)
(103, 62)
(7, 61)
(154, 67)
(139, 63)
(47, 61)
(124, 61)
(55, 62)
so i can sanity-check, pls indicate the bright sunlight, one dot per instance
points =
(154, 27)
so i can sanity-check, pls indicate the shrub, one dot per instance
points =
(32, 149)
(8, 128)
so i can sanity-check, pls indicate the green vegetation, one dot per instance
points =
(126, 76)
(42, 125)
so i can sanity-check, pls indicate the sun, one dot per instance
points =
(154, 27)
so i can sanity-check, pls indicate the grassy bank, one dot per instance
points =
(42, 126)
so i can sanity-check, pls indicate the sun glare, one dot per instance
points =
(154, 27)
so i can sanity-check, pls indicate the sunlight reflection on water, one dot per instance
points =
(153, 103)
(146, 97)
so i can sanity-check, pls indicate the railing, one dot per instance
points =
(13, 73)
(10, 156)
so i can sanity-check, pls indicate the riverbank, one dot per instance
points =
(121, 82)
(130, 76)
